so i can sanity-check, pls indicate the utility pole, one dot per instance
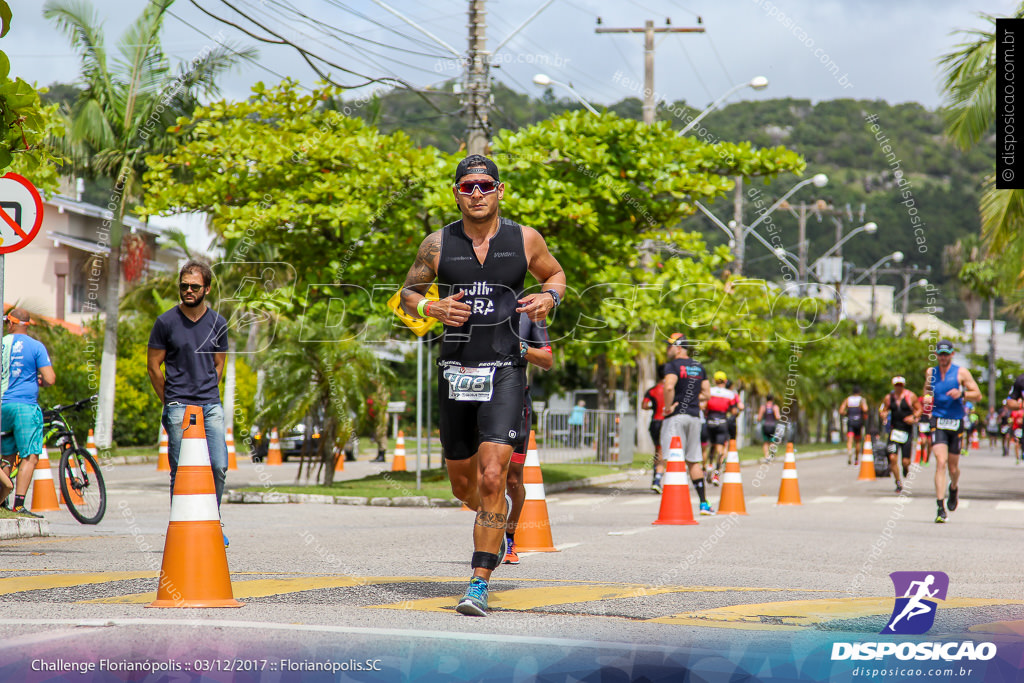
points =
(477, 98)
(648, 30)
(737, 217)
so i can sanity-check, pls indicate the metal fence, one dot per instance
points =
(604, 437)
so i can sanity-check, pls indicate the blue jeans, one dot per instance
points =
(213, 419)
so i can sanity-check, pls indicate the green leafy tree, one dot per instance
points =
(126, 105)
(969, 85)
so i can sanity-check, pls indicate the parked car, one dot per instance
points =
(293, 443)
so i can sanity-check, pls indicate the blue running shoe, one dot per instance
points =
(474, 604)
(705, 509)
(226, 541)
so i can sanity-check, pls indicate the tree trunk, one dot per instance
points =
(646, 377)
(601, 382)
(992, 354)
(108, 364)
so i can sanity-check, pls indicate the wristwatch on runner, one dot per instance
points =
(523, 349)
(554, 295)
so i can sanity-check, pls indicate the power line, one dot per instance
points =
(320, 23)
(696, 72)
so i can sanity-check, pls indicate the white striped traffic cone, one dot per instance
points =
(789, 489)
(533, 532)
(44, 492)
(232, 457)
(398, 463)
(163, 463)
(731, 501)
(274, 451)
(675, 497)
(194, 572)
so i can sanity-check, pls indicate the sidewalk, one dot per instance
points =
(274, 497)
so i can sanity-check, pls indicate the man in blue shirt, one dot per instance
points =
(946, 387)
(191, 342)
(26, 367)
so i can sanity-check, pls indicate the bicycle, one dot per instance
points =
(81, 482)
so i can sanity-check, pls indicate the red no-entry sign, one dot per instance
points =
(21, 213)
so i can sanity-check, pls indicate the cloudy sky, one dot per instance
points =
(815, 49)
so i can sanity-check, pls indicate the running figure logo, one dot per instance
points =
(914, 613)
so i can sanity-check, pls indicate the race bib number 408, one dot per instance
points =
(469, 384)
(948, 424)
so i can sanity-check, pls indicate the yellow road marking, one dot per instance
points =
(532, 598)
(16, 584)
(793, 615)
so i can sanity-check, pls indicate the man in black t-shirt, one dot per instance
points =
(191, 342)
(686, 391)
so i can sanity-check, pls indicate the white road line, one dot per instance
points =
(630, 532)
(353, 630)
(36, 638)
(644, 501)
(828, 499)
(588, 501)
(762, 499)
(1008, 505)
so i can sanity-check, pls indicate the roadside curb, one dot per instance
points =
(23, 527)
(274, 497)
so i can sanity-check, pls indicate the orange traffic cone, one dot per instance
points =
(163, 464)
(789, 489)
(398, 464)
(75, 496)
(731, 501)
(44, 492)
(867, 462)
(675, 497)
(339, 458)
(975, 443)
(274, 452)
(232, 457)
(90, 445)
(533, 533)
(194, 572)
(917, 452)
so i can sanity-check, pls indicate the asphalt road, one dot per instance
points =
(337, 583)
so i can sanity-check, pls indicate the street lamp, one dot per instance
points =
(870, 228)
(545, 80)
(896, 257)
(923, 282)
(741, 232)
(757, 83)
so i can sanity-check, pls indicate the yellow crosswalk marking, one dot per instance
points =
(793, 615)
(17, 584)
(532, 598)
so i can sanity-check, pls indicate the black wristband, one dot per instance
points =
(554, 295)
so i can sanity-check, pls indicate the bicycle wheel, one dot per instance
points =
(81, 484)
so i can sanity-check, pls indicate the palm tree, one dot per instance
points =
(122, 115)
(969, 84)
(328, 380)
(965, 252)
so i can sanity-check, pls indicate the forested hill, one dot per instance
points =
(835, 137)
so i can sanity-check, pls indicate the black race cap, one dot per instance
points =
(476, 163)
(944, 346)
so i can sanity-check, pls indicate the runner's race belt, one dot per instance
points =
(947, 424)
(1018, 432)
(716, 421)
(469, 384)
(1005, 429)
(924, 427)
(899, 436)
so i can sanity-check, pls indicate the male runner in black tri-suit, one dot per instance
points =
(480, 263)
